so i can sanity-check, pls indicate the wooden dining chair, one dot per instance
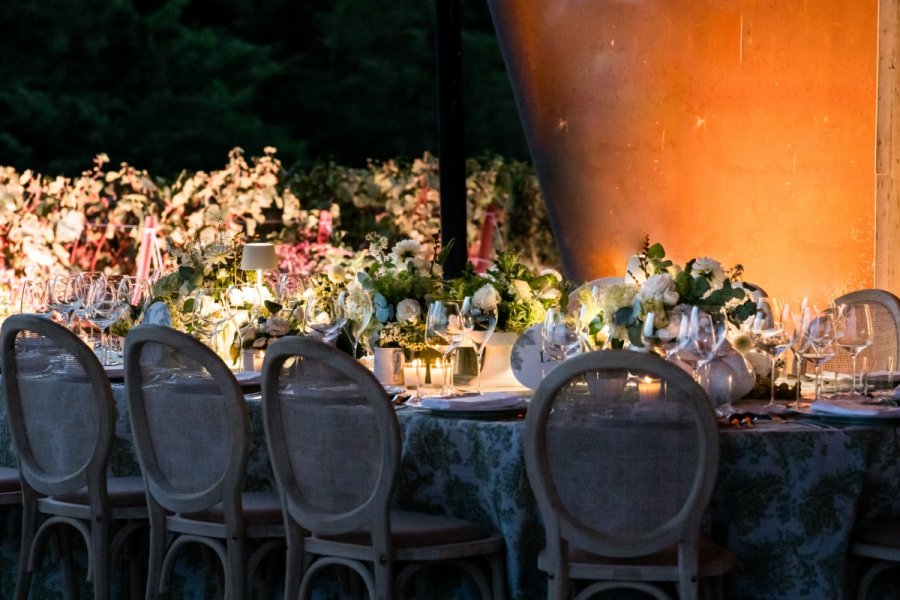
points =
(885, 309)
(61, 415)
(191, 432)
(621, 450)
(334, 443)
(877, 543)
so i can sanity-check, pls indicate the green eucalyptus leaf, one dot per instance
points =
(624, 316)
(273, 307)
(656, 251)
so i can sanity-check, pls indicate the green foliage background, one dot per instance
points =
(167, 85)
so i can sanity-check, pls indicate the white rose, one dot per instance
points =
(660, 286)
(520, 289)
(709, 268)
(486, 298)
(277, 327)
(408, 310)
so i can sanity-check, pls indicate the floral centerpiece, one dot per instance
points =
(211, 264)
(399, 283)
(520, 296)
(617, 313)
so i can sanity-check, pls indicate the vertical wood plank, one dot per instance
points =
(887, 150)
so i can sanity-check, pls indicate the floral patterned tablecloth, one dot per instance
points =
(787, 496)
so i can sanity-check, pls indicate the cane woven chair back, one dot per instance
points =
(60, 403)
(190, 421)
(885, 310)
(621, 450)
(333, 435)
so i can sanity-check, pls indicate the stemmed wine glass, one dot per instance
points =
(662, 341)
(560, 339)
(290, 290)
(819, 345)
(103, 306)
(326, 316)
(480, 324)
(62, 297)
(359, 311)
(444, 332)
(212, 309)
(773, 331)
(854, 332)
(33, 298)
(699, 341)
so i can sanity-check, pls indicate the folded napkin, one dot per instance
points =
(851, 407)
(248, 376)
(474, 402)
(115, 371)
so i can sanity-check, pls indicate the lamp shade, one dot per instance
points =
(259, 256)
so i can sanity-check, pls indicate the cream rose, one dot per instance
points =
(408, 310)
(709, 268)
(277, 327)
(659, 287)
(520, 289)
(486, 298)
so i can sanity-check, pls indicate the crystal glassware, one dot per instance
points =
(854, 332)
(444, 333)
(819, 345)
(773, 331)
(325, 316)
(479, 324)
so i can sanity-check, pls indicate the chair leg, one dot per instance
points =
(157, 551)
(236, 571)
(293, 565)
(100, 558)
(29, 524)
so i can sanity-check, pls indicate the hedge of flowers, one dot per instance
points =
(317, 217)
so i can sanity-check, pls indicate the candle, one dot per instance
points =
(252, 359)
(411, 373)
(649, 389)
(438, 372)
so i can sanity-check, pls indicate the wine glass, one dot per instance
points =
(700, 338)
(62, 297)
(82, 287)
(103, 306)
(33, 298)
(212, 309)
(854, 332)
(326, 316)
(559, 337)
(773, 330)
(359, 311)
(480, 324)
(444, 332)
(819, 345)
(659, 341)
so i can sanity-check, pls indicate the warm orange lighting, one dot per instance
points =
(741, 130)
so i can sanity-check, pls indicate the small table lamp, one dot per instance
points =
(259, 257)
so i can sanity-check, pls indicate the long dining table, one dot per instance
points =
(788, 494)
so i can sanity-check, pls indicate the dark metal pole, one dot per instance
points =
(451, 138)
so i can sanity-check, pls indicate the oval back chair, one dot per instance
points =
(621, 450)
